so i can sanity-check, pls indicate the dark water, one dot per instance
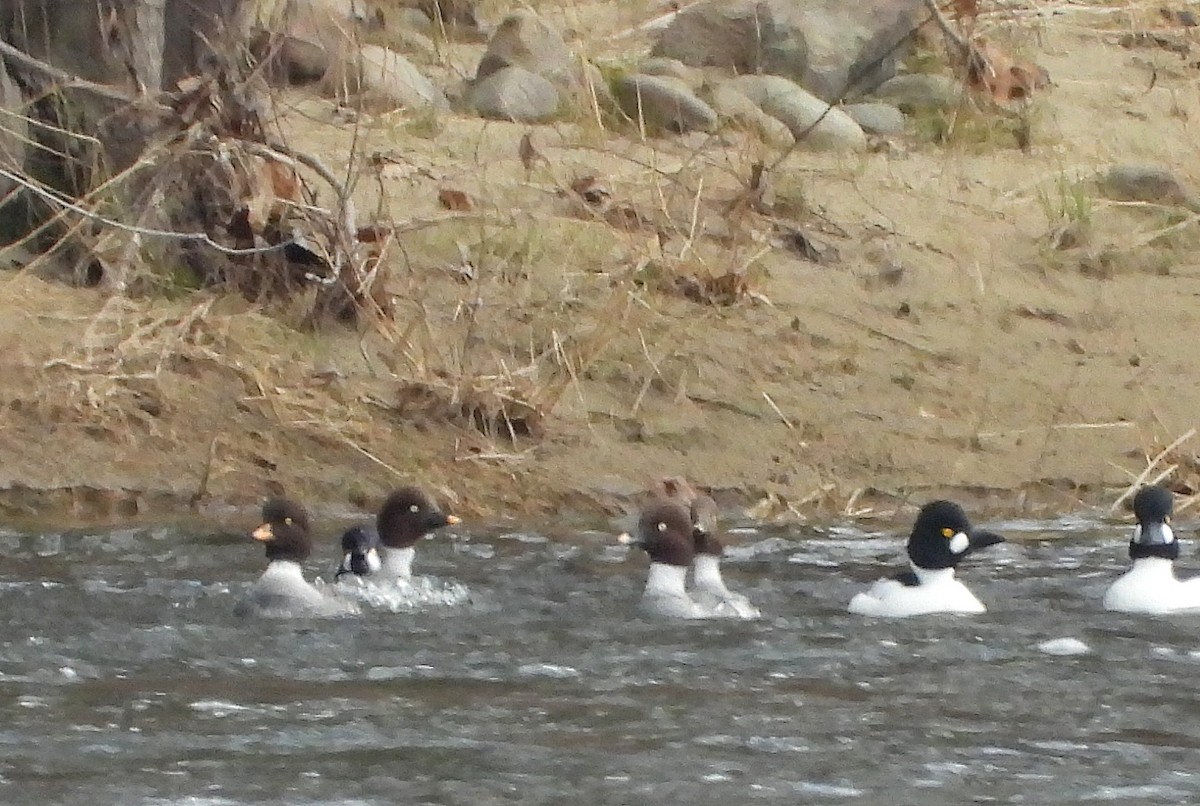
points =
(125, 679)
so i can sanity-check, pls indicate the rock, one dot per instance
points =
(514, 93)
(921, 91)
(13, 133)
(457, 18)
(663, 104)
(301, 61)
(733, 106)
(382, 77)
(672, 68)
(833, 48)
(876, 118)
(1145, 183)
(523, 40)
(799, 110)
(743, 36)
(853, 47)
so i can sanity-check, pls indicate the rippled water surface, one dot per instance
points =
(126, 679)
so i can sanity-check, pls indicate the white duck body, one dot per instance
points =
(666, 594)
(936, 591)
(709, 590)
(282, 590)
(1151, 587)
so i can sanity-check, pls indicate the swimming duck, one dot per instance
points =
(941, 537)
(407, 515)
(664, 531)
(709, 587)
(360, 553)
(1150, 586)
(282, 589)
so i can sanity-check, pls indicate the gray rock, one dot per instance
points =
(383, 78)
(294, 60)
(14, 132)
(732, 106)
(876, 118)
(664, 104)
(744, 36)
(921, 91)
(514, 93)
(522, 39)
(833, 48)
(854, 47)
(809, 119)
(672, 68)
(1145, 183)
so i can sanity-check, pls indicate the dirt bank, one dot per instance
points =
(942, 345)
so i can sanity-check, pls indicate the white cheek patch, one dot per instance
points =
(1137, 533)
(373, 561)
(1168, 535)
(959, 543)
(346, 561)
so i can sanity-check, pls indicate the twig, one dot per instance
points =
(63, 77)
(203, 237)
(782, 416)
(1140, 480)
(1059, 427)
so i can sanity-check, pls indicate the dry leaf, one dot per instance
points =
(455, 200)
(724, 289)
(591, 190)
(966, 10)
(529, 155)
(1002, 77)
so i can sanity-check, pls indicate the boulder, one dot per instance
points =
(663, 104)
(514, 93)
(915, 92)
(1156, 184)
(807, 117)
(731, 105)
(744, 36)
(382, 78)
(523, 39)
(833, 48)
(876, 118)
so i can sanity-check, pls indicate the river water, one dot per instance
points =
(125, 678)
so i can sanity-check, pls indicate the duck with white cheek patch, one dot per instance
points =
(665, 533)
(941, 537)
(1150, 586)
(282, 590)
(360, 555)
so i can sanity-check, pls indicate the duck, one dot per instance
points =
(664, 531)
(708, 586)
(360, 554)
(407, 515)
(941, 537)
(282, 589)
(1150, 586)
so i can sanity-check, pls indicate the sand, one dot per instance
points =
(944, 344)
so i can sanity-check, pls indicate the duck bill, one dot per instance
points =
(981, 540)
(263, 533)
(436, 520)
(626, 539)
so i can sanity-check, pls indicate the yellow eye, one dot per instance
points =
(662, 527)
(287, 521)
(414, 508)
(947, 532)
